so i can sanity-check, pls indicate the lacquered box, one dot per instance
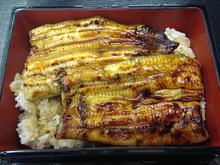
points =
(190, 20)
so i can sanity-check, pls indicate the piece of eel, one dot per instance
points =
(144, 101)
(56, 49)
(120, 84)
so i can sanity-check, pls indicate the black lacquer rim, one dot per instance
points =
(201, 152)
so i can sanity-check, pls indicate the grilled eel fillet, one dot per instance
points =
(100, 31)
(60, 49)
(46, 82)
(144, 101)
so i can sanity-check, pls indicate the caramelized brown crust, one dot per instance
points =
(80, 31)
(145, 101)
(124, 123)
(57, 49)
(154, 67)
(120, 85)
(42, 77)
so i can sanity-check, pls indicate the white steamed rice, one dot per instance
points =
(39, 121)
(184, 42)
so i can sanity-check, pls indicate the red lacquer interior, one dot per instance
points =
(187, 20)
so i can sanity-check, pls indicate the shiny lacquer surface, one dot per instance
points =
(187, 20)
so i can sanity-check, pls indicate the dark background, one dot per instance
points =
(212, 8)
